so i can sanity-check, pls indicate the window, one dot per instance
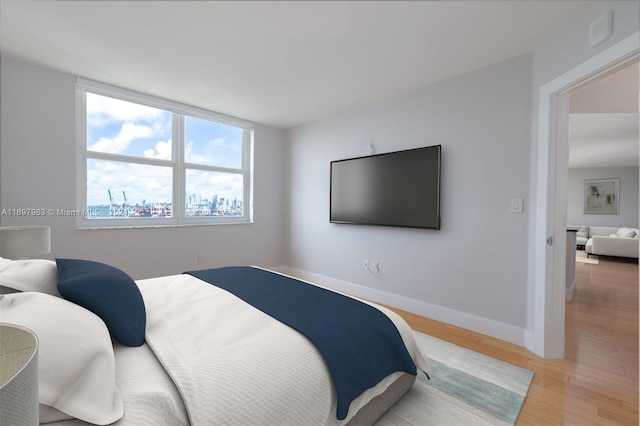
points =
(145, 161)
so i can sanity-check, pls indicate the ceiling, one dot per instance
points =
(604, 121)
(285, 63)
(276, 63)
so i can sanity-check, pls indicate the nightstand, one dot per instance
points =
(18, 375)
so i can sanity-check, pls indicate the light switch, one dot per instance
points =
(516, 205)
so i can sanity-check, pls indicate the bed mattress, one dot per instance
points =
(210, 358)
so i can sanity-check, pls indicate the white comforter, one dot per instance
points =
(233, 364)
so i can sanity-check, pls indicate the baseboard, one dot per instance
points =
(474, 323)
(570, 292)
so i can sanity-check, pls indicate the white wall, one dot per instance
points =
(473, 271)
(570, 47)
(37, 170)
(628, 215)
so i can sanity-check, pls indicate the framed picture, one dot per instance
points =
(601, 196)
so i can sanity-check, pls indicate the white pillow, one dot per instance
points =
(626, 232)
(39, 275)
(76, 366)
(582, 232)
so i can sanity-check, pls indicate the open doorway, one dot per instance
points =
(603, 144)
(603, 149)
(551, 214)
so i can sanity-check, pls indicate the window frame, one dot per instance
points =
(177, 163)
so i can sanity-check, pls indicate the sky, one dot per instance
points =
(142, 132)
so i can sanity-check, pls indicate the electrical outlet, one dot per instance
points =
(365, 264)
(200, 258)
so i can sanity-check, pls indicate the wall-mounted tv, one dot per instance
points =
(399, 188)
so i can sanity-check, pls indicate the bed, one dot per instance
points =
(179, 350)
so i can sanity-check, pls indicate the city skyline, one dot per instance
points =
(195, 205)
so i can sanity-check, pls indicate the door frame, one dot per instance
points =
(549, 273)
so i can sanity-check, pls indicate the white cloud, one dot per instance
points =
(138, 181)
(205, 184)
(198, 158)
(102, 110)
(154, 183)
(218, 142)
(216, 152)
(162, 151)
(120, 143)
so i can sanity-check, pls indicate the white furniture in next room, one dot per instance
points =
(609, 241)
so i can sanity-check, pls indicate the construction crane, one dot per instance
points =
(118, 210)
(112, 210)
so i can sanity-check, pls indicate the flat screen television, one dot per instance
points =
(399, 188)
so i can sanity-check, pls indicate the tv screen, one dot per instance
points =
(399, 188)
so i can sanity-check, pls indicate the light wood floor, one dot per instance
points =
(597, 382)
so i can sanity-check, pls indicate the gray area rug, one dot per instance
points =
(466, 388)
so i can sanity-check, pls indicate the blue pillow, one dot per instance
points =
(107, 292)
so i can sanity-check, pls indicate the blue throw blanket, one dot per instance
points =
(359, 343)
